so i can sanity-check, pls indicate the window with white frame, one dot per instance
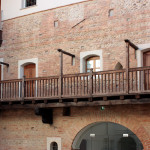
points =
(53, 143)
(91, 59)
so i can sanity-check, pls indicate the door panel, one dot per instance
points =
(146, 62)
(127, 143)
(29, 72)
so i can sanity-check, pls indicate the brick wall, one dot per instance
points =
(34, 36)
(23, 130)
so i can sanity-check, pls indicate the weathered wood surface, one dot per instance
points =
(81, 85)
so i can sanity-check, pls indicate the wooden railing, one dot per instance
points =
(78, 85)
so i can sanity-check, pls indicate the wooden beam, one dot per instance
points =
(131, 44)
(137, 96)
(79, 104)
(4, 64)
(75, 100)
(67, 53)
(105, 98)
(122, 97)
(22, 102)
(45, 101)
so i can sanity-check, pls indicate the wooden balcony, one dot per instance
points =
(84, 89)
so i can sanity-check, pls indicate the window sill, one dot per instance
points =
(28, 7)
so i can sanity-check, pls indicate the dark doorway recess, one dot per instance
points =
(106, 136)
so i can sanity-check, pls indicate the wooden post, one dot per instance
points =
(61, 71)
(23, 87)
(61, 76)
(127, 67)
(91, 84)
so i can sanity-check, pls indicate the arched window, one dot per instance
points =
(53, 146)
(93, 63)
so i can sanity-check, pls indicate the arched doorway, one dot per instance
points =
(106, 136)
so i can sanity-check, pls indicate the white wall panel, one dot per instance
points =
(14, 8)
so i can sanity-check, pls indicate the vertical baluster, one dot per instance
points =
(74, 85)
(140, 84)
(95, 82)
(108, 82)
(98, 83)
(54, 86)
(123, 81)
(105, 82)
(51, 87)
(80, 86)
(87, 85)
(83, 85)
(71, 84)
(147, 79)
(136, 81)
(115, 82)
(102, 82)
(0, 90)
(132, 79)
(64, 85)
(77, 85)
(46, 87)
(40, 86)
(112, 82)
(57, 86)
(67, 86)
(4, 89)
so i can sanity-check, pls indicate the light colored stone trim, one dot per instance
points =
(87, 54)
(22, 63)
(53, 139)
(139, 53)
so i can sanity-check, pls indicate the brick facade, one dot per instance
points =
(81, 27)
(23, 130)
(34, 36)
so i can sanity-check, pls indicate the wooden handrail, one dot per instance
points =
(76, 85)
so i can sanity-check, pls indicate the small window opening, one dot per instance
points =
(53, 146)
(118, 66)
(55, 24)
(30, 3)
(111, 13)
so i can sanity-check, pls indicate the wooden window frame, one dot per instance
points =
(94, 58)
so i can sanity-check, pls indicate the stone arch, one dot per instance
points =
(86, 132)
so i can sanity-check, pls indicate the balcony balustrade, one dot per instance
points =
(82, 85)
